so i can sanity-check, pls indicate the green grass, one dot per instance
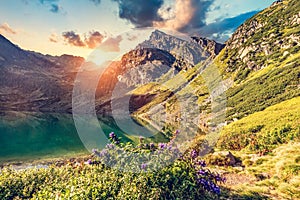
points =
(264, 130)
(282, 170)
(276, 26)
(114, 179)
(272, 87)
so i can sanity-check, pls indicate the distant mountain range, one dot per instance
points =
(30, 81)
(261, 59)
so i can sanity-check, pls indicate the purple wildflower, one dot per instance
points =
(144, 166)
(103, 153)
(151, 146)
(201, 163)
(218, 178)
(96, 152)
(112, 135)
(89, 162)
(110, 146)
(201, 172)
(194, 154)
(162, 145)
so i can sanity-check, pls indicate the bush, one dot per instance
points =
(185, 178)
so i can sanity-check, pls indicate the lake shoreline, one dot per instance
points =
(46, 162)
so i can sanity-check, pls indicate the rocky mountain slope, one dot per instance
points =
(194, 50)
(34, 82)
(31, 81)
(260, 67)
(269, 37)
(262, 58)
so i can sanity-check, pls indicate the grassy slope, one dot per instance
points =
(253, 90)
(272, 176)
(278, 76)
(265, 129)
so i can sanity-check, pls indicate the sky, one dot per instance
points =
(83, 27)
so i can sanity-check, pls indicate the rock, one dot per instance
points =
(222, 158)
(195, 50)
(239, 168)
(226, 154)
(262, 176)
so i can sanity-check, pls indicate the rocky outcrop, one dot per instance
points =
(261, 38)
(210, 46)
(194, 50)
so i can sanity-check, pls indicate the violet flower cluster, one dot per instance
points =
(204, 177)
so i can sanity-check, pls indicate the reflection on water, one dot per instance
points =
(26, 136)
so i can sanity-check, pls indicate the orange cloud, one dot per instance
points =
(179, 16)
(73, 39)
(90, 40)
(6, 28)
(185, 16)
(94, 39)
(53, 38)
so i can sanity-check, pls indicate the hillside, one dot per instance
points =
(247, 91)
(34, 82)
(31, 81)
(262, 58)
(260, 62)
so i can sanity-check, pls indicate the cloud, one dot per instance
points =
(6, 28)
(141, 13)
(53, 38)
(52, 5)
(185, 16)
(73, 39)
(54, 8)
(94, 39)
(131, 37)
(111, 44)
(222, 29)
(96, 2)
(90, 40)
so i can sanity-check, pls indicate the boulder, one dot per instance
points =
(222, 158)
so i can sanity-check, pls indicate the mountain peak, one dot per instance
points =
(191, 51)
(5, 41)
(8, 50)
(156, 31)
(3, 38)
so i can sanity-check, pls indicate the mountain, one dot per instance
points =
(30, 81)
(194, 50)
(267, 38)
(262, 58)
(259, 67)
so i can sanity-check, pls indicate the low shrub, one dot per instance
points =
(185, 178)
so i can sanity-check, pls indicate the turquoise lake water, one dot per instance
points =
(32, 136)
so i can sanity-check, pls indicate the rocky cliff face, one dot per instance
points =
(195, 50)
(31, 81)
(270, 36)
(136, 68)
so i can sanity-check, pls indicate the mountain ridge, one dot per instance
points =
(194, 50)
(45, 82)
